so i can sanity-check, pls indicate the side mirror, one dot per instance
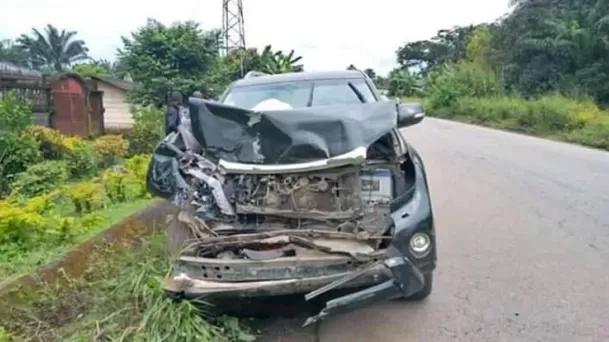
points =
(410, 114)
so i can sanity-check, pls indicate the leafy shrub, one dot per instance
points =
(115, 183)
(446, 85)
(15, 115)
(111, 148)
(148, 130)
(17, 151)
(51, 142)
(137, 166)
(40, 178)
(18, 225)
(65, 229)
(91, 221)
(85, 196)
(594, 134)
(82, 160)
(42, 204)
(5, 336)
(404, 83)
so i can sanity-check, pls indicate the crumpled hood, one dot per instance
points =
(287, 136)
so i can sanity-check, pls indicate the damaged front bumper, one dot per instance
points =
(387, 277)
(368, 277)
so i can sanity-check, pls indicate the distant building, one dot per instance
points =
(10, 70)
(117, 116)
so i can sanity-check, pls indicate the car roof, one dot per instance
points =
(299, 76)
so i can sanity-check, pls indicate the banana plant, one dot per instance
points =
(278, 63)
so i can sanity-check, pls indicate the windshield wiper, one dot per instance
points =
(357, 93)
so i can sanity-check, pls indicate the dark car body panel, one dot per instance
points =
(286, 137)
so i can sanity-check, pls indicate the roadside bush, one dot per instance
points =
(17, 151)
(40, 178)
(15, 115)
(594, 134)
(91, 221)
(148, 130)
(18, 225)
(451, 82)
(116, 184)
(82, 160)
(111, 148)
(5, 336)
(51, 142)
(137, 166)
(42, 204)
(576, 120)
(85, 196)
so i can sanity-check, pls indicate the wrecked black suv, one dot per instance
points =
(297, 184)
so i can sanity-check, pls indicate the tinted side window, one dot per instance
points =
(334, 92)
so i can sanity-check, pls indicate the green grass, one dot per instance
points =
(555, 117)
(14, 262)
(120, 299)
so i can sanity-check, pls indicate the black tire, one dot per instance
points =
(425, 291)
(178, 233)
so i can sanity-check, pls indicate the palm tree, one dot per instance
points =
(12, 53)
(53, 49)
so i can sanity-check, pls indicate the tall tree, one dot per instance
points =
(162, 58)
(52, 49)
(103, 67)
(446, 46)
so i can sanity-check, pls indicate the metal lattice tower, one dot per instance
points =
(233, 28)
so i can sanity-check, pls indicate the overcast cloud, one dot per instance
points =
(329, 34)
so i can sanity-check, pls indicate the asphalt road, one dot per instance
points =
(523, 237)
(523, 242)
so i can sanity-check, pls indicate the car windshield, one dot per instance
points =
(290, 95)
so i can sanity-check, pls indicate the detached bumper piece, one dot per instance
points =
(391, 277)
(407, 280)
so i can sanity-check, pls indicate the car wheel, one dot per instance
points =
(178, 233)
(426, 290)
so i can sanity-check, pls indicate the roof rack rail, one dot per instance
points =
(254, 73)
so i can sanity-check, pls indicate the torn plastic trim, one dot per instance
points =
(406, 280)
(217, 190)
(353, 157)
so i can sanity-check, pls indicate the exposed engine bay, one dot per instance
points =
(342, 208)
(349, 200)
(298, 201)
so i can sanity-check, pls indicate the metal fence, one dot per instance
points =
(27, 86)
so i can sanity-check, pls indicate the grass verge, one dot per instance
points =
(120, 298)
(15, 262)
(555, 117)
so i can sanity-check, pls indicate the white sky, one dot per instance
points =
(329, 34)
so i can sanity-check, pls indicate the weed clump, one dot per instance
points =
(120, 298)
